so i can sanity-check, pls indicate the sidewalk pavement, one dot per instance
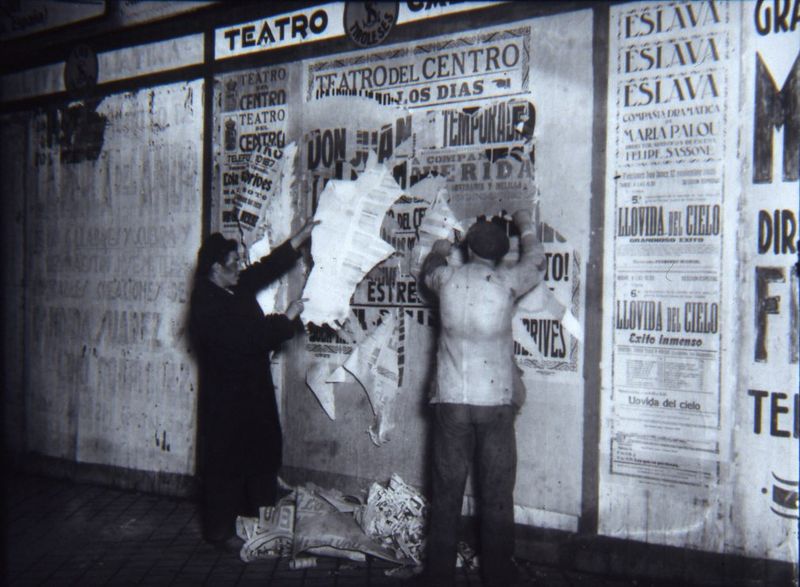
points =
(59, 532)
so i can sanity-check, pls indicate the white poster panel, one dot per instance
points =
(764, 515)
(669, 237)
(251, 125)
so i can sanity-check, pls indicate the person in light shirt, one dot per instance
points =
(473, 411)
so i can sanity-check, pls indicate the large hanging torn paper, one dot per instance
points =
(346, 244)
(374, 364)
(542, 301)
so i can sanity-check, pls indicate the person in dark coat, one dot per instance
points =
(239, 431)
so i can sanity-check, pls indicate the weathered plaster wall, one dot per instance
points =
(112, 210)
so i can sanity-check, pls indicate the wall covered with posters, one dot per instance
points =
(700, 343)
(476, 119)
(689, 154)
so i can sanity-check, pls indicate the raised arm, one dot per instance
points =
(302, 235)
(280, 260)
(529, 268)
(220, 330)
(436, 258)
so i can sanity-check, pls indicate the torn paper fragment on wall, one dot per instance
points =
(439, 223)
(326, 367)
(275, 215)
(347, 243)
(374, 364)
(542, 301)
(320, 379)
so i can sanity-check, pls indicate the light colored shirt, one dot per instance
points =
(475, 354)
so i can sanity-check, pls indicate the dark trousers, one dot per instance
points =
(463, 434)
(226, 496)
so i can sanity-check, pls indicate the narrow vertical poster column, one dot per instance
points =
(671, 138)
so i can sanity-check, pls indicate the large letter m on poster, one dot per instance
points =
(776, 109)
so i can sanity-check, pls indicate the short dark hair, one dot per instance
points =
(487, 240)
(214, 249)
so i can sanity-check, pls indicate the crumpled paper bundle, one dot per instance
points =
(396, 515)
(322, 528)
(316, 521)
(271, 535)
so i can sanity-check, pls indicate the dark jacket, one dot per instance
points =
(239, 430)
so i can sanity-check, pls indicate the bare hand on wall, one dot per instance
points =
(302, 235)
(295, 308)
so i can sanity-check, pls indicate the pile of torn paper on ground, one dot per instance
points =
(312, 521)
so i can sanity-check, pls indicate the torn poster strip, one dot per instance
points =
(374, 364)
(260, 191)
(440, 222)
(320, 378)
(274, 221)
(346, 244)
(276, 214)
(542, 301)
